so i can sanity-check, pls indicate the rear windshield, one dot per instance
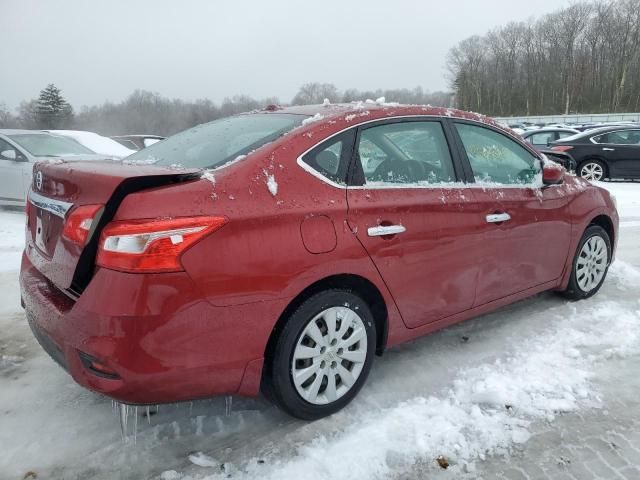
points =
(43, 145)
(219, 142)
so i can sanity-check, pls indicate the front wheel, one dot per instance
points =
(592, 170)
(322, 356)
(590, 264)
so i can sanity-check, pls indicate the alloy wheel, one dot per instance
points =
(592, 263)
(592, 171)
(329, 356)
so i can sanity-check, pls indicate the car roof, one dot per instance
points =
(549, 129)
(17, 131)
(610, 128)
(138, 135)
(361, 111)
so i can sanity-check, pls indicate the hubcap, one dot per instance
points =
(592, 171)
(329, 355)
(592, 263)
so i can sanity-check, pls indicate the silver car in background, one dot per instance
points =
(20, 149)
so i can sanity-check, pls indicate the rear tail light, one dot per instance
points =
(153, 245)
(78, 225)
(561, 148)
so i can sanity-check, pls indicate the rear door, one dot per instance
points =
(526, 227)
(415, 217)
(622, 151)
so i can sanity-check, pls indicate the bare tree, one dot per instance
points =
(585, 57)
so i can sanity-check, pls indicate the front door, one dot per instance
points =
(415, 218)
(526, 227)
(622, 150)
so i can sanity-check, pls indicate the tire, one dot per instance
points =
(586, 278)
(592, 170)
(345, 355)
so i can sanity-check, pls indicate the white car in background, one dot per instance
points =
(97, 143)
(20, 149)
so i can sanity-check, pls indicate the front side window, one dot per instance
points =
(45, 145)
(7, 151)
(414, 153)
(214, 144)
(495, 158)
(621, 137)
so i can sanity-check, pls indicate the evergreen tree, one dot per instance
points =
(52, 110)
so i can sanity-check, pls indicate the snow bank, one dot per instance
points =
(12, 226)
(203, 460)
(628, 199)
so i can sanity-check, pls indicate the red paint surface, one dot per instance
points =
(203, 331)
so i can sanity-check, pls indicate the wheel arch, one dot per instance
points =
(606, 223)
(359, 285)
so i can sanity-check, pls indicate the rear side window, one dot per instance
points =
(331, 158)
(405, 153)
(495, 158)
(622, 137)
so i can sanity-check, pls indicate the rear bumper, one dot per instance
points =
(164, 342)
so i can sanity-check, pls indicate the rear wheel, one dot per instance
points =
(590, 264)
(592, 170)
(322, 356)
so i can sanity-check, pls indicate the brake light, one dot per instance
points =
(152, 245)
(561, 148)
(78, 225)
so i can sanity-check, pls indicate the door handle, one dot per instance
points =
(381, 230)
(608, 149)
(498, 217)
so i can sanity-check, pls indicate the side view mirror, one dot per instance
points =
(552, 173)
(9, 155)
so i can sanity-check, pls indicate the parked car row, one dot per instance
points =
(521, 128)
(606, 152)
(20, 149)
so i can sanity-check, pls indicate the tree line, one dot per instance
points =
(583, 58)
(150, 113)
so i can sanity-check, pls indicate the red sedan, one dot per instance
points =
(280, 250)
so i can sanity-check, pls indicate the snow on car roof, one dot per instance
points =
(97, 143)
(376, 109)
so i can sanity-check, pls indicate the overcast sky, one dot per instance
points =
(97, 50)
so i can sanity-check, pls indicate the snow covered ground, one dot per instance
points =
(506, 395)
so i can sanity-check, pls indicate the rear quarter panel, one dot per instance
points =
(259, 255)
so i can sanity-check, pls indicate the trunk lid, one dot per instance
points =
(58, 188)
